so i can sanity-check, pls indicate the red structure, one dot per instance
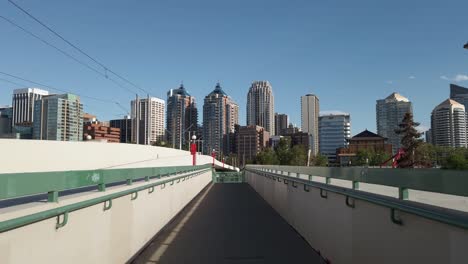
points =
(193, 151)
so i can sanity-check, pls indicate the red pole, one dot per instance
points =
(213, 155)
(193, 151)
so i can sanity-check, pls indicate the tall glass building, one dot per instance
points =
(390, 112)
(261, 106)
(310, 110)
(181, 117)
(448, 124)
(334, 132)
(220, 115)
(58, 117)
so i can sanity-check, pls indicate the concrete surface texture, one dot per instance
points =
(94, 235)
(43, 155)
(365, 233)
(229, 223)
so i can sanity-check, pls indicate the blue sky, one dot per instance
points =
(349, 53)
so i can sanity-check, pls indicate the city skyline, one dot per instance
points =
(417, 63)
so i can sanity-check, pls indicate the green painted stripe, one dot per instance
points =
(30, 219)
(452, 182)
(13, 185)
(442, 215)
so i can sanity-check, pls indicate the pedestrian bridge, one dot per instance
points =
(65, 202)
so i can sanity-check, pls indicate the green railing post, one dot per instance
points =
(310, 177)
(52, 197)
(129, 181)
(355, 185)
(403, 193)
(102, 187)
(327, 180)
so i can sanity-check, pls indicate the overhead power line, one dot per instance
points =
(57, 89)
(66, 53)
(77, 48)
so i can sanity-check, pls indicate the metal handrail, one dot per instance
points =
(65, 210)
(453, 182)
(443, 215)
(14, 185)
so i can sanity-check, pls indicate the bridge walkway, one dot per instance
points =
(228, 223)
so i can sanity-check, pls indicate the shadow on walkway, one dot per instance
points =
(228, 223)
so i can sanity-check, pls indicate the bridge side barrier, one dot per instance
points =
(351, 226)
(14, 185)
(110, 228)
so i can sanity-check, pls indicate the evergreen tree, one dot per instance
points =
(410, 140)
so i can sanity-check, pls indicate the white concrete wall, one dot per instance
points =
(364, 234)
(41, 155)
(96, 236)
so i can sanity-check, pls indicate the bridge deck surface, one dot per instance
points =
(228, 223)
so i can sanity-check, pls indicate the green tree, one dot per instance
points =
(298, 156)
(457, 160)
(283, 151)
(410, 140)
(319, 160)
(267, 157)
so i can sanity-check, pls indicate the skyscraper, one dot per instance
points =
(182, 116)
(58, 117)
(147, 120)
(23, 105)
(448, 124)
(310, 109)
(125, 126)
(390, 112)
(220, 114)
(260, 106)
(459, 94)
(334, 132)
(281, 123)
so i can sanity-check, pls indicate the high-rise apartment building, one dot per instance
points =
(334, 132)
(125, 126)
(23, 105)
(220, 115)
(261, 106)
(147, 120)
(6, 113)
(449, 124)
(250, 141)
(459, 94)
(281, 124)
(310, 110)
(58, 117)
(181, 117)
(390, 112)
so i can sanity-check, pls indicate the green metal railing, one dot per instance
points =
(447, 182)
(228, 177)
(14, 185)
(185, 173)
(454, 182)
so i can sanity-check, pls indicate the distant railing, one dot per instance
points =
(453, 182)
(56, 181)
(431, 180)
(15, 185)
(228, 177)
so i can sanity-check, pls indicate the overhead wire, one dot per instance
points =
(57, 89)
(106, 68)
(66, 54)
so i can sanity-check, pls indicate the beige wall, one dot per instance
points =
(364, 234)
(42, 155)
(96, 236)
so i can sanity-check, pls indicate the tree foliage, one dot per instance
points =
(409, 141)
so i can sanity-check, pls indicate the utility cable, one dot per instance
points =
(57, 89)
(65, 53)
(77, 48)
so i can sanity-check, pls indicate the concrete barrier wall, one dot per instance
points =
(42, 155)
(364, 234)
(96, 236)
